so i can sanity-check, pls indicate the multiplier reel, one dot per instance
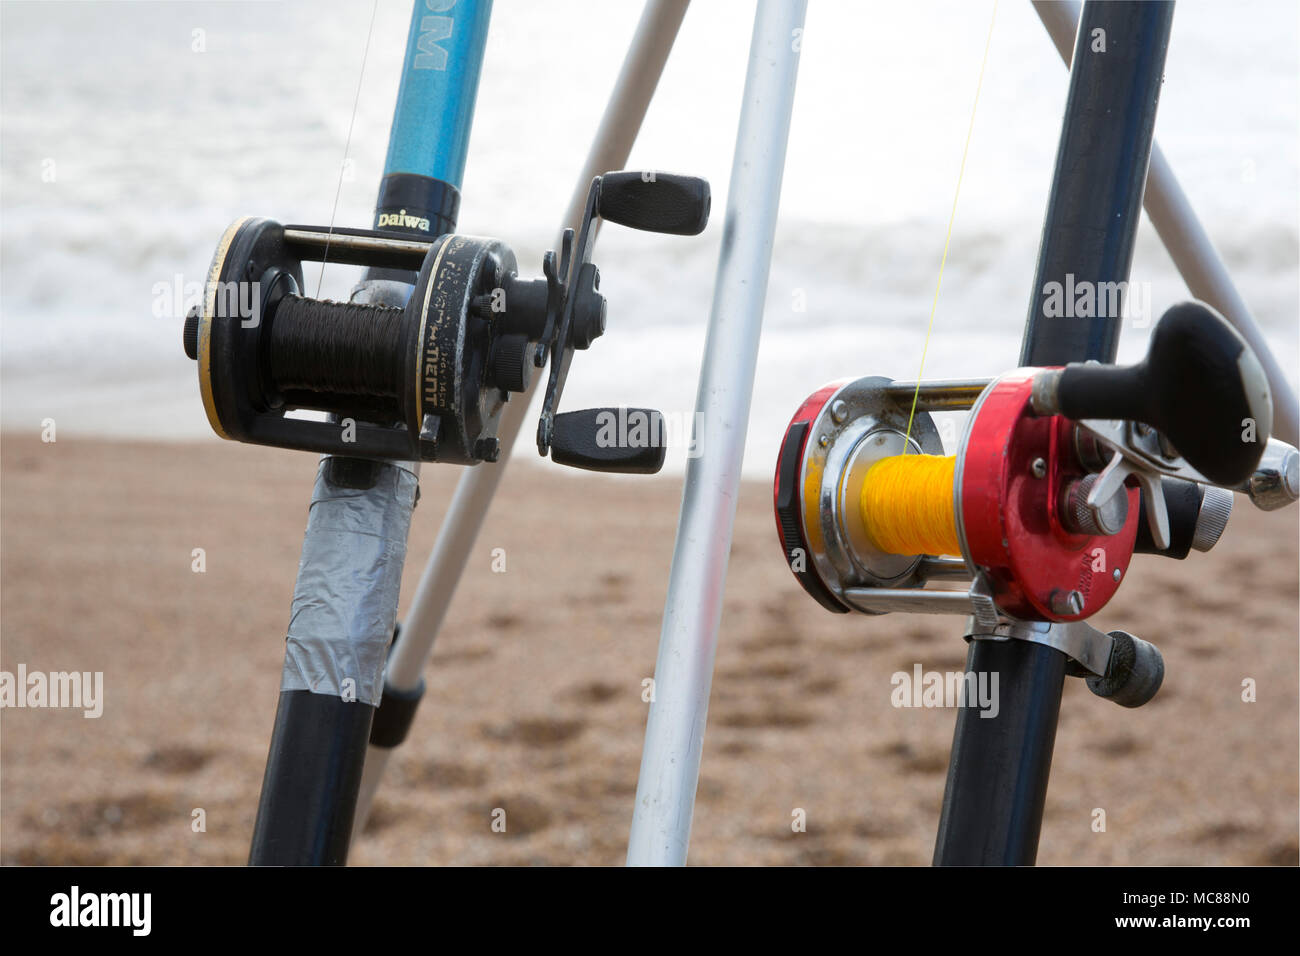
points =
(1061, 475)
(427, 380)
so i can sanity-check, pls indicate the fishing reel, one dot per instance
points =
(428, 380)
(1062, 475)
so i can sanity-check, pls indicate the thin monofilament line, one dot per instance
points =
(347, 147)
(948, 238)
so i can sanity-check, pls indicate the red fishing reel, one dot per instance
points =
(1060, 476)
(1018, 499)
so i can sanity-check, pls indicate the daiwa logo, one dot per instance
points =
(433, 30)
(400, 218)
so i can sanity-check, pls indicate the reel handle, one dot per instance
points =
(655, 202)
(651, 201)
(1200, 386)
(628, 441)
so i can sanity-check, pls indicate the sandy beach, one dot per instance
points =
(534, 702)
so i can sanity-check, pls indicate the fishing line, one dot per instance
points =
(347, 146)
(907, 506)
(356, 352)
(951, 217)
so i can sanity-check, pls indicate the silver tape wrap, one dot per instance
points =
(345, 601)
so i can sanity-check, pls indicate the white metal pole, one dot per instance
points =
(630, 98)
(670, 762)
(1188, 243)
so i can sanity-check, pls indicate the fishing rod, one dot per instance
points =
(1068, 465)
(1187, 242)
(625, 109)
(418, 366)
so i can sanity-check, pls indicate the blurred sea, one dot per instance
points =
(124, 153)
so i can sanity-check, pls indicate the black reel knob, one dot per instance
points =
(656, 202)
(1200, 385)
(190, 336)
(630, 441)
(1134, 673)
(511, 362)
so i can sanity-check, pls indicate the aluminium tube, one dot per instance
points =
(670, 761)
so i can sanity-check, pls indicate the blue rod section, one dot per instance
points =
(435, 104)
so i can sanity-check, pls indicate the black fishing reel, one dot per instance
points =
(427, 381)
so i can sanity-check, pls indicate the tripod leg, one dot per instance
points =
(670, 762)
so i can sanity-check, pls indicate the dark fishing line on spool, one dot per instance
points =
(343, 348)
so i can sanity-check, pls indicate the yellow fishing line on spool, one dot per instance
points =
(907, 505)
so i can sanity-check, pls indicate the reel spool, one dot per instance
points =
(427, 381)
(833, 440)
(417, 381)
(1043, 505)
